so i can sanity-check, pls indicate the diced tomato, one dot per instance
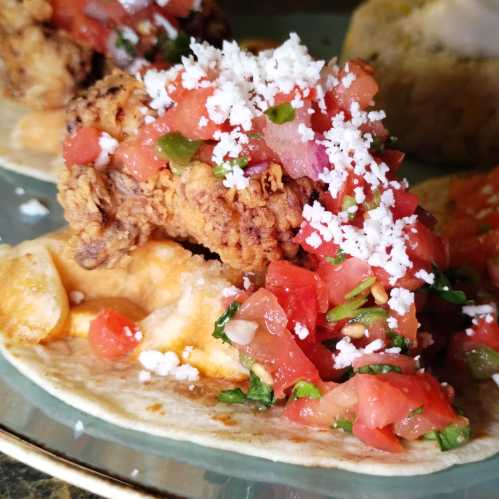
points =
(180, 8)
(82, 147)
(381, 403)
(406, 203)
(341, 279)
(185, 115)
(436, 412)
(300, 305)
(426, 246)
(323, 360)
(407, 324)
(362, 89)
(324, 249)
(484, 333)
(70, 16)
(273, 345)
(284, 274)
(393, 158)
(406, 363)
(112, 335)
(337, 403)
(379, 438)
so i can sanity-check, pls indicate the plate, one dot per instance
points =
(156, 464)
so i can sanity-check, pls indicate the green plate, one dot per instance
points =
(182, 468)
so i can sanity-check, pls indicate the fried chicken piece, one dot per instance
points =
(43, 67)
(111, 212)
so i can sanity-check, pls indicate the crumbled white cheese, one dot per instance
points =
(138, 335)
(392, 322)
(374, 346)
(76, 297)
(108, 146)
(157, 362)
(314, 240)
(144, 376)
(401, 300)
(186, 353)
(170, 30)
(133, 6)
(246, 282)
(495, 377)
(136, 66)
(236, 179)
(162, 3)
(348, 79)
(203, 122)
(186, 372)
(348, 352)
(478, 310)
(149, 119)
(155, 83)
(469, 332)
(301, 331)
(33, 208)
(428, 277)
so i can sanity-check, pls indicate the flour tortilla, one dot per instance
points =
(13, 156)
(190, 412)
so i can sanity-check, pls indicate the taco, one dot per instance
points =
(436, 62)
(302, 343)
(51, 50)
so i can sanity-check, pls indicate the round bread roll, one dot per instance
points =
(442, 103)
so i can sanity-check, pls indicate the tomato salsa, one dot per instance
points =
(335, 337)
(127, 31)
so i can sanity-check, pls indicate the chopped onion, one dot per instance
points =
(256, 169)
(241, 332)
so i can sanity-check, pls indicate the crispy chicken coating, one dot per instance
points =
(111, 212)
(43, 67)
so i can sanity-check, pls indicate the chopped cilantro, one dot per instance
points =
(484, 228)
(178, 149)
(336, 260)
(374, 202)
(482, 361)
(443, 288)
(378, 369)
(281, 114)
(415, 412)
(259, 391)
(255, 135)
(220, 171)
(124, 44)
(220, 323)
(173, 50)
(450, 437)
(399, 341)
(365, 284)
(343, 424)
(346, 310)
(305, 389)
(234, 396)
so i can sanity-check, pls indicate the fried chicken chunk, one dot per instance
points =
(43, 67)
(111, 212)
